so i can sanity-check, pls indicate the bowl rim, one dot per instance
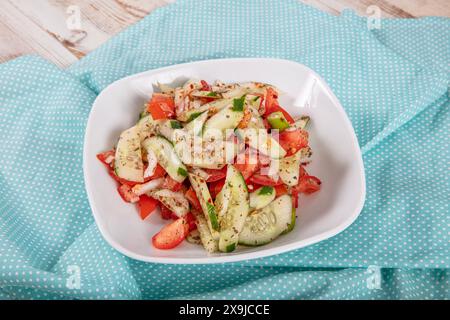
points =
(240, 256)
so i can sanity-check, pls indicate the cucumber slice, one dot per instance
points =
(261, 141)
(209, 155)
(302, 123)
(211, 107)
(227, 118)
(264, 225)
(167, 158)
(195, 127)
(233, 220)
(174, 201)
(289, 169)
(278, 121)
(206, 202)
(128, 159)
(291, 226)
(261, 197)
(208, 242)
(222, 201)
(147, 127)
(167, 128)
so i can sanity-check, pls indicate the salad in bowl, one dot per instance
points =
(224, 163)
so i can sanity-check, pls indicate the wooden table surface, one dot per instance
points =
(41, 26)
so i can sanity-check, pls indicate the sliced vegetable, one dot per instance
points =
(175, 201)
(216, 174)
(277, 121)
(232, 222)
(264, 225)
(167, 157)
(302, 122)
(171, 184)
(128, 158)
(195, 127)
(127, 194)
(308, 184)
(208, 241)
(227, 118)
(192, 198)
(146, 206)
(262, 197)
(201, 189)
(171, 235)
(265, 180)
(247, 165)
(107, 158)
(161, 106)
(293, 140)
(140, 189)
(194, 237)
(261, 141)
(289, 169)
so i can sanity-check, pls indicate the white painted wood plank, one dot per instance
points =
(33, 38)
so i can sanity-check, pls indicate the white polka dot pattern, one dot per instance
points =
(393, 83)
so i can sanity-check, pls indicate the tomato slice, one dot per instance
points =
(249, 165)
(161, 106)
(171, 234)
(171, 184)
(265, 180)
(271, 101)
(159, 173)
(192, 198)
(294, 140)
(272, 105)
(216, 187)
(146, 206)
(107, 158)
(127, 194)
(191, 221)
(205, 86)
(308, 184)
(215, 175)
(280, 190)
(295, 198)
(166, 214)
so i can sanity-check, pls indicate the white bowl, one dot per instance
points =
(336, 160)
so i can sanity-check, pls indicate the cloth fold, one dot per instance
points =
(393, 83)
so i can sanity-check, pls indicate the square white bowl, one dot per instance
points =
(336, 160)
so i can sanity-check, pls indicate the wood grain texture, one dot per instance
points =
(40, 26)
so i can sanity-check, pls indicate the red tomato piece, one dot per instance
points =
(294, 140)
(271, 101)
(308, 184)
(265, 180)
(171, 184)
(146, 206)
(191, 221)
(161, 106)
(166, 214)
(295, 198)
(127, 194)
(249, 165)
(215, 174)
(192, 198)
(280, 190)
(171, 234)
(272, 105)
(159, 173)
(205, 86)
(107, 158)
(216, 187)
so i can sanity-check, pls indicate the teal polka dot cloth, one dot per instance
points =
(393, 82)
